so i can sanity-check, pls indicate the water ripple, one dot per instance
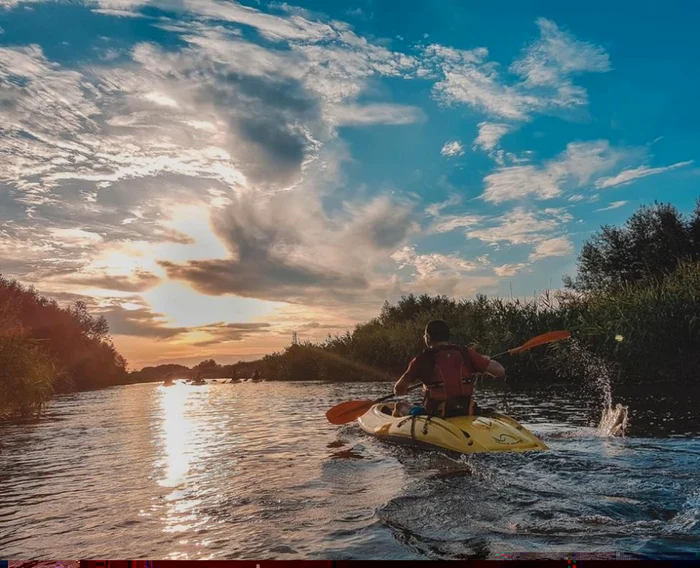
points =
(253, 470)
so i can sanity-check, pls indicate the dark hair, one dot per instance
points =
(438, 330)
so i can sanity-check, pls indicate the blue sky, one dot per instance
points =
(214, 175)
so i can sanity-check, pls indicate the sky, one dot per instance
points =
(212, 175)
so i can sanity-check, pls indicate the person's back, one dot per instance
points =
(446, 371)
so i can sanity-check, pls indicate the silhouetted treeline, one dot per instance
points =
(45, 348)
(207, 369)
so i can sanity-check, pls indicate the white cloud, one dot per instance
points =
(558, 246)
(613, 205)
(77, 236)
(435, 209)
(574, 168)
(453, 148)
(545, 68)
(490, 134)
(377, 114)
(628, 176)
(447, 223)
(556, 56)
(428, 264)
(468, 79)
(510, 269)
(520, 226)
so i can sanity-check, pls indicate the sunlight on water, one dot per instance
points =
(175, 434)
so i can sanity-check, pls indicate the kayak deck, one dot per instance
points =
(485, 432)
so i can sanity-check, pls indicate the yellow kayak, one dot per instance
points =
(485, 432)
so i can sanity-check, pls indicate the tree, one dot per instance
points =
(649, 246)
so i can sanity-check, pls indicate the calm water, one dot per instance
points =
(254, 471)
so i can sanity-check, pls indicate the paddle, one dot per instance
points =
(543, 339)
(346, 412)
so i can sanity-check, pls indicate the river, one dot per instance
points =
(254, 471)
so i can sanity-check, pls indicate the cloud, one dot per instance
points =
(555, 57)
(139, 281)
(453, 148)
(628, 176)
(285, 248)
(140, 322)
(490, 134)
(221, 333)
(435, 209)
(377, 114)
(118, 146)
(520, 226)
(613, 205)
(558, 246)
(510, 269)
(428, 264)
(448, 223)
(545, 69)
(574, 168)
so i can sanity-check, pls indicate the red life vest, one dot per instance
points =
(450, 378)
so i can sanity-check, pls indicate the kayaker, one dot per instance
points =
(446, 370)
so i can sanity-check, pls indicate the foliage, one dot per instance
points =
(651, 244)
(45, 348)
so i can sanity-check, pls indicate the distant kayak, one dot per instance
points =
(485, 432)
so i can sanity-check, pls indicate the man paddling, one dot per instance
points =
(446, 371)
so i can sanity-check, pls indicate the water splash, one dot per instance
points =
(598, 373)
(613, 422)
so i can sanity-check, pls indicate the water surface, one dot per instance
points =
(254, 471)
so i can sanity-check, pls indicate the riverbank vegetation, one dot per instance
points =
(45, 348)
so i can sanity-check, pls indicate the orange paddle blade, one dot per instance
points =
(541, 340)
(348, 411)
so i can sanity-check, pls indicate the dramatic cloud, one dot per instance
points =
(453, 148)
(628, 176)
(285, 248)
(120, 146)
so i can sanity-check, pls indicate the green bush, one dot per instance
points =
(26, 377)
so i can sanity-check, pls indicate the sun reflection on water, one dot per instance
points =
(177, 431)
